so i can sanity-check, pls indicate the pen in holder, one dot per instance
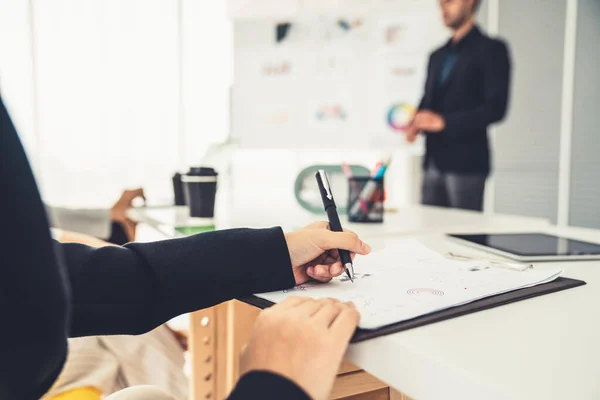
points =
(365, 199)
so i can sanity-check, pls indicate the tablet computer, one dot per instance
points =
(529, 247)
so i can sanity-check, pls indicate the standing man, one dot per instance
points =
(467, 89)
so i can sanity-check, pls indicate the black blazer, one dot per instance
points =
(474, 95)
(50, 291)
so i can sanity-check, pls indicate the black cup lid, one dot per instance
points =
(202, 171)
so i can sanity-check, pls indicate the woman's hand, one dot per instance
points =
(303, 340)
(314, 254)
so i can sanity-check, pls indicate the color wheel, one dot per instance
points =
(399, 116)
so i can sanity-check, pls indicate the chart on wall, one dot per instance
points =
(399, 66)
(340, 79)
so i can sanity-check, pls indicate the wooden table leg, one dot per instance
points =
(217, 336)
(202, 351)
(243, 320)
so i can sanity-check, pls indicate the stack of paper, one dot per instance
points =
(409, 280)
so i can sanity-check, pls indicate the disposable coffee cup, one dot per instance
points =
(200, 190)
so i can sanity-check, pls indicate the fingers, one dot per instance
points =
(128, 196)
(318, 225)
(333, 255)
(422, 119)
(328, 240)
(336, 269)
(319, 273)
(340, 318)
(291, 302)
(313, 307)
(326, 314)
(309, 308)
(140, 193)
(324, 225)
(324, 272)
(316, 269)
(345, 322)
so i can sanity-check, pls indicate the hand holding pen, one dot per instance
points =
(314, 251)
(334, 219)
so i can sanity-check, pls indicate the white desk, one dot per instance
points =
(409, 220)
(542, 348)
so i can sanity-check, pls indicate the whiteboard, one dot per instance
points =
(343, 79)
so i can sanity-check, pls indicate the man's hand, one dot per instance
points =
(426, 120)
(303, 340)
(411, 132)
(313, 251)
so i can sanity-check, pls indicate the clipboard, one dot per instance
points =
(360, 335)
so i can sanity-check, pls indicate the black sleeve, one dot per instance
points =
(422, 104)
(496, 76)
(34, 296)
(49, 290)
(266, 386)
(134, 288)
(117, 234)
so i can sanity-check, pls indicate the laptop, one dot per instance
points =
(530, 247)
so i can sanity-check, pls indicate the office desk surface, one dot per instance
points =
(413, 219)
(542, 348)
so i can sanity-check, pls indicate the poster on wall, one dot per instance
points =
(407, 34)
(270, 116)
(335, 115)
(398, 72)
(345, 78)
(394, 95)
(399, 67)
(344, 30)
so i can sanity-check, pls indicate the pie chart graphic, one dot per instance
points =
(399, 116)
(424, 292)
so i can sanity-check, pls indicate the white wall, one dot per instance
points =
(116, 93)
(547, 150)
(584, 174)
(527, 145)
(16, 71)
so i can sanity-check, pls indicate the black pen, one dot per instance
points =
(334, 219)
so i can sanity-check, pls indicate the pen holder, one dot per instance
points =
(365, 199)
